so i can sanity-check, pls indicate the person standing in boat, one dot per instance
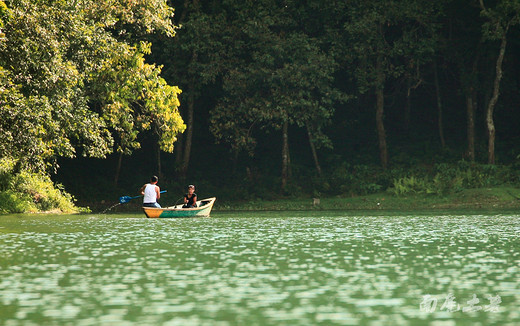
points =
(190, 199)
(151, 192)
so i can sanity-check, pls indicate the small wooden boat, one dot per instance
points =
(203, 209)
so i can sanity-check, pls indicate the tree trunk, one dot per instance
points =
(178, 151)
(289, 168)
(471, 106)
(285, 155)
(380, 105)
(188, 140)
(470, 112)
(183, 14)
(408, 106)
(118, 169)
(383, 151)
(491, 106)
(439, 104)
(159, 167)
(313, 150)
(235, 162)
(182, 159)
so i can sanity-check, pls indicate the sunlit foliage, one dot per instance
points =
(74, 81)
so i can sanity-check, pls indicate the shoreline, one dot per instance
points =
(480, 199)
(498, 198)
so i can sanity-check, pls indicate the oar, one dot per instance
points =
(126, 199)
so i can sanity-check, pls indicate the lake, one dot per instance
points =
(261, 268)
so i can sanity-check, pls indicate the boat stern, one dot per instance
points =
(152, 212)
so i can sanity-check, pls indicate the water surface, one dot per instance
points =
(260, 268)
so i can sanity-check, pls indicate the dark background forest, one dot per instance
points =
(287, 98)
(241, 63)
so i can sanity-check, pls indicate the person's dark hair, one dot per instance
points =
(154, 179)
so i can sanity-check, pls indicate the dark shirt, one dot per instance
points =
(191, 200)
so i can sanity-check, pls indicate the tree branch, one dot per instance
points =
(481, 2)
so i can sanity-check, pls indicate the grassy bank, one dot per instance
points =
(481, 198)
(496, 198)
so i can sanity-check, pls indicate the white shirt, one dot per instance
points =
(150, 196)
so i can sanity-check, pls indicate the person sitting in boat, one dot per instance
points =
(151, 192)
(190, 199)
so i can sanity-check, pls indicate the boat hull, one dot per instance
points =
(178, 211)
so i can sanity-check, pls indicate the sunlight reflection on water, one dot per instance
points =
(264, 268)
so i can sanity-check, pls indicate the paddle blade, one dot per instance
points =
(125, 199)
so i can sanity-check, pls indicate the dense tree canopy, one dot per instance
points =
(279, 75)
(384, 79)
(74, 79)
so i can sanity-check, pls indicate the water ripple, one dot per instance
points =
(256, 269)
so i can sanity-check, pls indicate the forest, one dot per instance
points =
(260, 99)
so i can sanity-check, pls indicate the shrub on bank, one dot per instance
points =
(30, 192)
(357, 179)
(451, 178)
(400, 180)
(12, 202)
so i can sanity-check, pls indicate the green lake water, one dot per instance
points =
(263, 268)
